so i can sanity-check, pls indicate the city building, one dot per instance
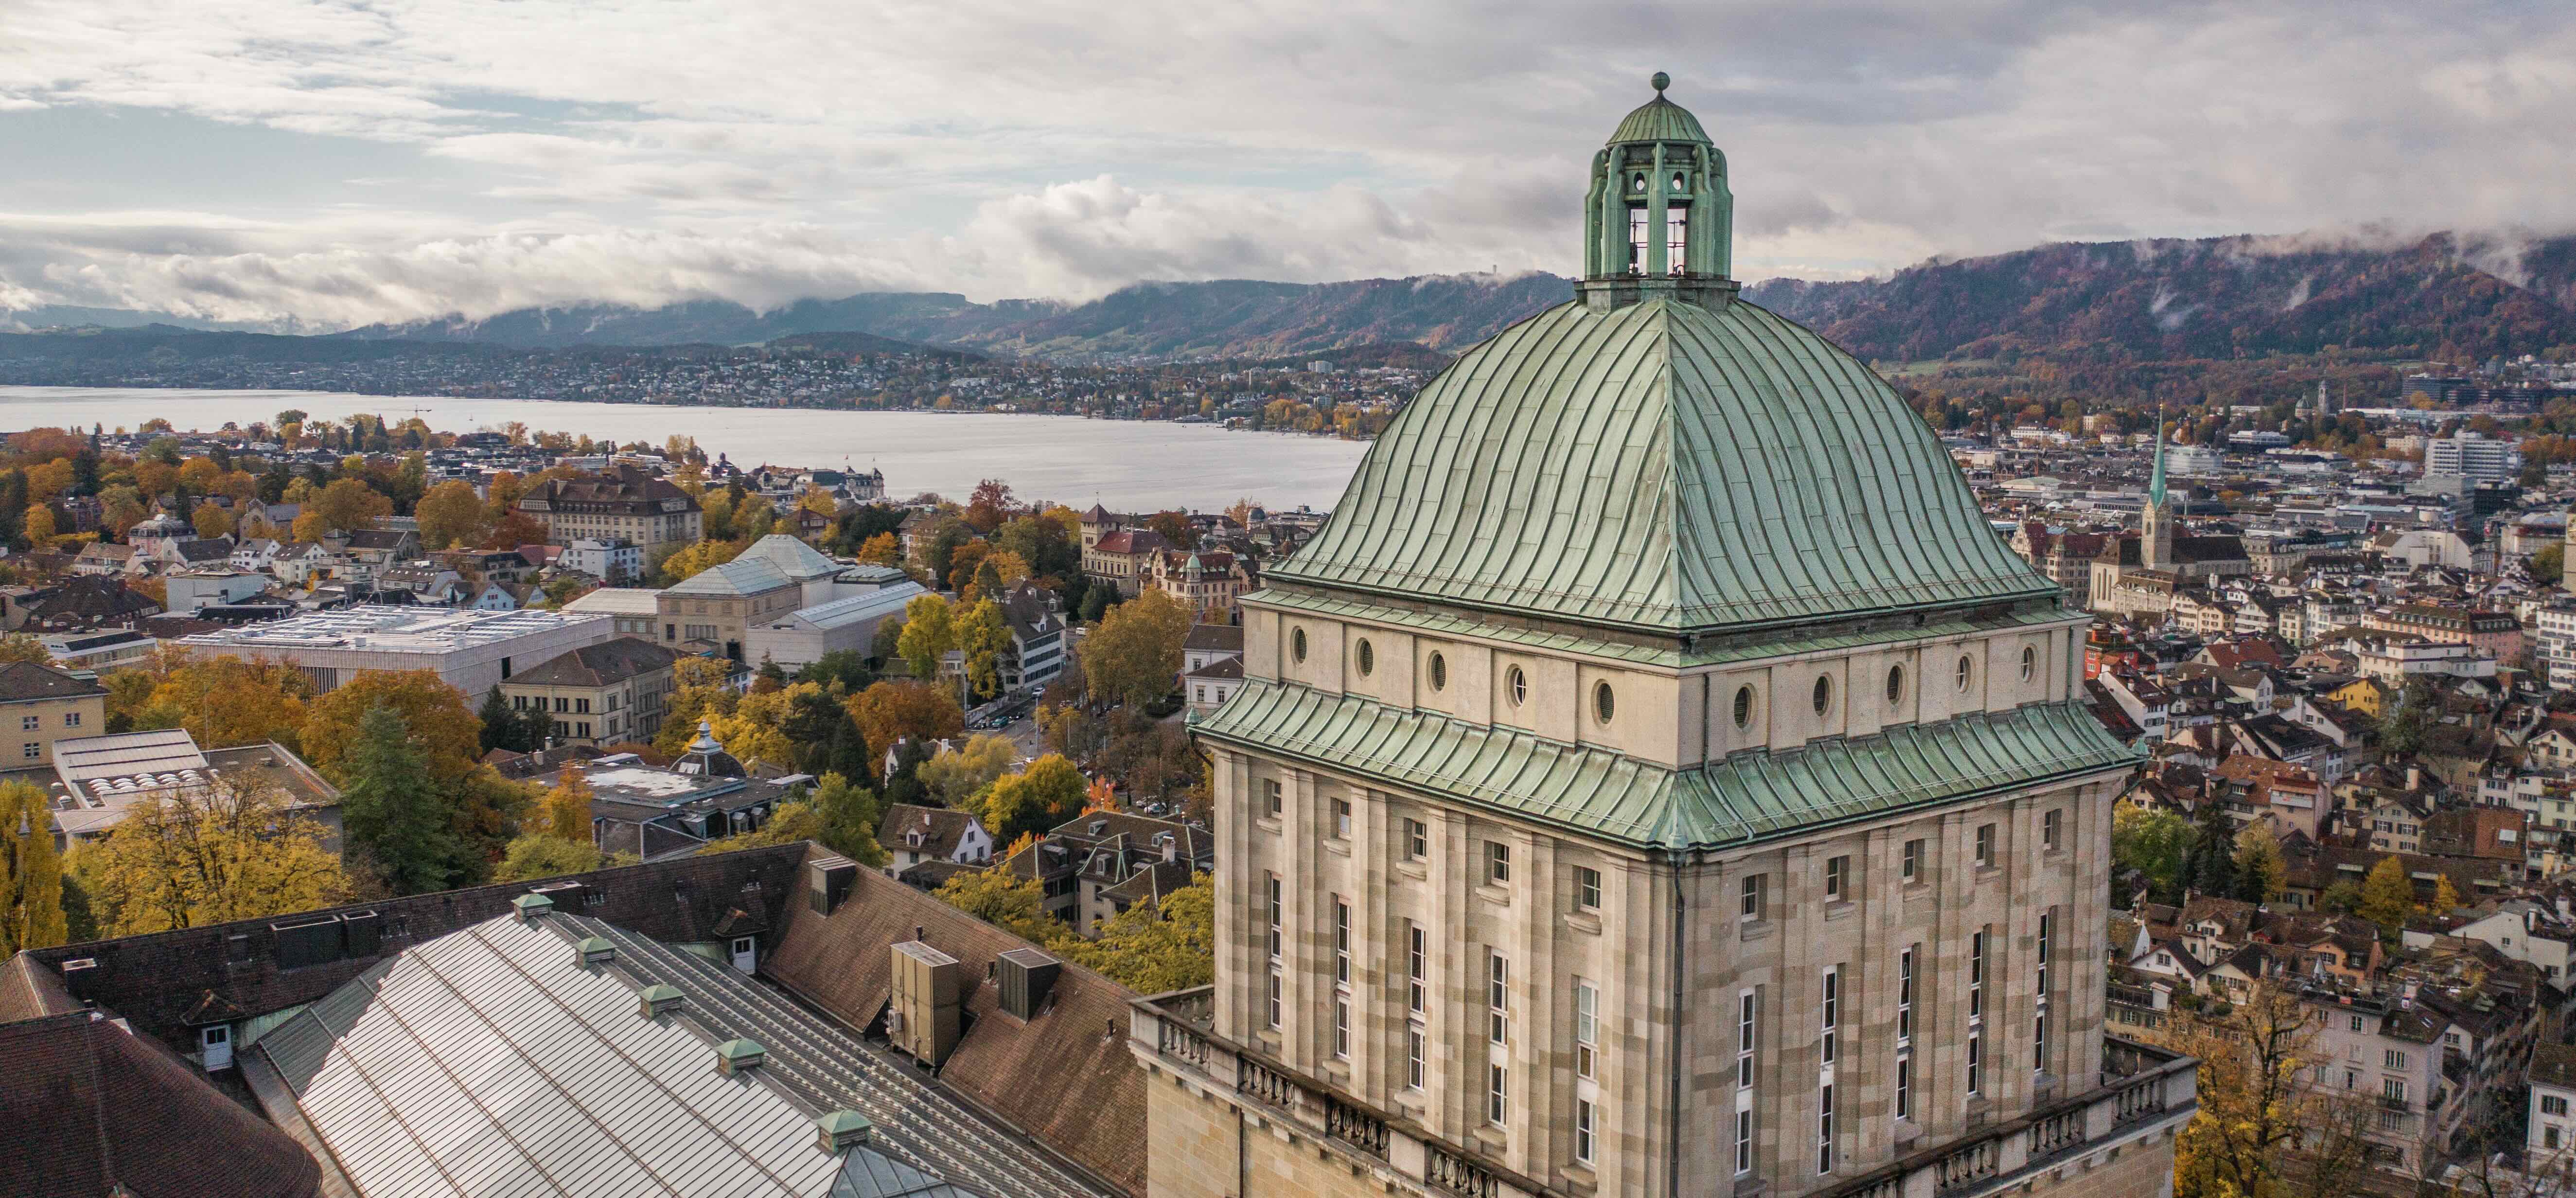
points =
(2470, 456)
(613, 560)
(1038, 651)
(94, 781)
(711, 612)
(848, 624)
(1119, 549)
(600, 694)
(1591, 820)
(622, 502)
(472, 651)
(1211, 665)
(43, 705)
(637, 610)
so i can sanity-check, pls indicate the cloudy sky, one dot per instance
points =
(334, 162)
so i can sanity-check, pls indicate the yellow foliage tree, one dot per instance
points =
(212, 521)
(440, 722)
(882, 550)
(756, 728)
(226, 701)
(346, 505)
(568, 807)
(698, 692)
(1155, 948)
(31, 874)
(1135, 653)
(700, 557)
(1015, 904)
(40, 525)
(2261, 1099)
(205, 855)
(451, 514)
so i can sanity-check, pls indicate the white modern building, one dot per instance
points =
(2470, 456)
(612, 559)
(636, 609)
(806, 634)
(472, 651)
(189, 590)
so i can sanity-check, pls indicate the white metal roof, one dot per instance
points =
(618, 601)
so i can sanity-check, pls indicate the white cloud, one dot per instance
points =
(658, 149)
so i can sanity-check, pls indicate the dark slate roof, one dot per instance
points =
(604, 664)
(93, 597)
(26, 681)
(379, 538)
(1214, 638)
(90, 1107)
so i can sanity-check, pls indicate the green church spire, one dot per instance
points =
(1658, 220)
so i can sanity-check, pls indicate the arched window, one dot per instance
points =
(2029, 662)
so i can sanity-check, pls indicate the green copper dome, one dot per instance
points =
(1658, 119)
(1667, 467)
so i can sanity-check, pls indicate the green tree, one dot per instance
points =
(2261, 871)
(1034, 800)
(850, 815)
(2550, 564)
(928, 635)
(2387, 897)
(2153, 842)
(2342, 898)
(2407, 725)
(392, 807)
(31, 874)
(502, 727)
(1135, 654)
(954, 775)
(1015, 904)
(2210, 866)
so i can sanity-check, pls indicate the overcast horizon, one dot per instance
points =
(335, 163)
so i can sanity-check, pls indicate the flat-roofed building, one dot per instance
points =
(637, 610)
(472, 651)
(806, 634)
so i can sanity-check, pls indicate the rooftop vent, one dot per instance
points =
(595, 950)
(658, 1000)
(841, 1131)
(828, 881)
(533, 907)
(737, 1057)
(1027, 977)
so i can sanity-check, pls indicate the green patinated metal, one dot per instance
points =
(1721, 650)
(1663, 467)
(1659, 162)
(1745, 799)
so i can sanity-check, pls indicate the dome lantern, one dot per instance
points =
(1658, 219)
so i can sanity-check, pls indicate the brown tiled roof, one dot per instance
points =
(29, 990)
(1064, 1078)
(91, 1109)
(1215, 638)
(940, 829)
(604, 664)
(1131, 540)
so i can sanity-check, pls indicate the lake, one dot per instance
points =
(1126, 465)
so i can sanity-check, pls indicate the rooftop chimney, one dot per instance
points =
(737, 1057)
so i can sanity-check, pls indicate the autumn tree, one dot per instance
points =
(928, 634)
(1007, 901)
(889, 712)
(441, 725)
(882, 550)
(954, 775)
(2265, 1128)
(567, 807)
(31, 873)
(20, 646)
(989, 506)
(1156, 948)
(204, 855)
(983, 636)
(392, 808)
(537, 855)
(223, 701)
(1135, 654)
(344, 505)
(451, 514)
(1047, 793)
(211, 521)
(699, 691)
(39, 527)
(2446, 897)
(756, 728)
(2388, 897)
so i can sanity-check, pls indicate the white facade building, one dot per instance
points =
(472, 651)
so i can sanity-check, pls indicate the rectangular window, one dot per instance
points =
(1341, 944)
(2039, 1017)
(71, 719)
(1912, 868)
(2393, 1089)
(2394, 1059)
(1417, 840)
(1583, 1115)
(1905, 1087)
(1587, 1006)
(1637, 240)
(30, 723)
(1497, 999)
(1342, 1027)
(1498, 862)
(1976, 976)
(1825, 1128)
(1752, 896)
(1743, 1140)
(31, 750)
(2048, 824)
(1587, 888)
(1416, 1044)
(1417, 968)
(2552, 1105)
(1985, 846)
(1278, 996)
(1836, 869)
(1676, 238)
(1497, 1093)
(1745, 1009)
(1905, 996)
(1342, 819)
(1270, 795)
(1833, 1014)
(1278, 937)
(1976, 1066)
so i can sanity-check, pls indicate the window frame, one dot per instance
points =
(1587, 888)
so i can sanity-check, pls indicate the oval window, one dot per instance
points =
(1967, 671)
(1744, 707)
(1519, 683)
(1895, 684)
(1638, 184)
(1439, 672)
(1368, 659)
(1824, 695)
(1297, 644)
(1603, 703)
(2029, 662)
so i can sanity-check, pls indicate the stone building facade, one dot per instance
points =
(1592, 820)
(623, 502)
